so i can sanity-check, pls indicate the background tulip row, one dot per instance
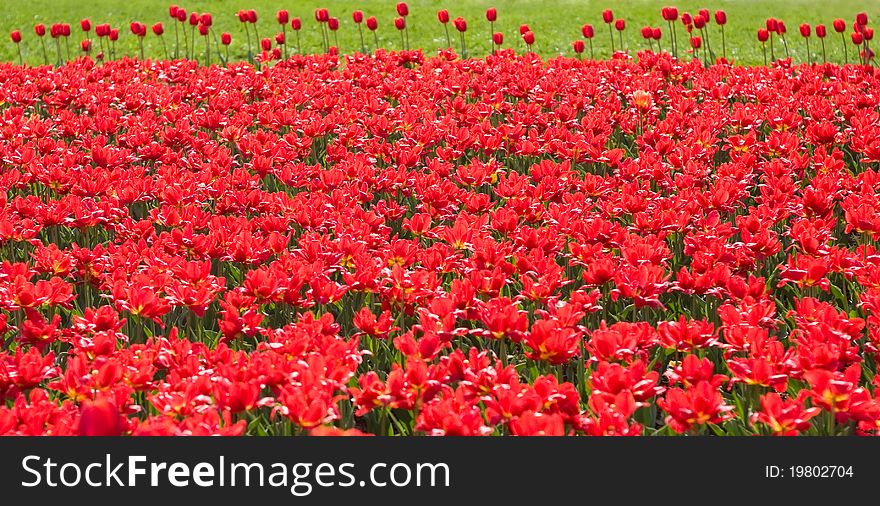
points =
(251, 30)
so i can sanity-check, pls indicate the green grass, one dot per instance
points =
(555, 24)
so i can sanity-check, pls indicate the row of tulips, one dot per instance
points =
(264, 49)
(401, 244)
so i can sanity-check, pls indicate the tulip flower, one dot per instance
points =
(461, 25)
(403, 12)
(226, 40)
(588, 32)
(296, 26)
(100, 418)
(283, 17)
(840, 27)
(721, 20)
(763, 35)
(529, 39)
(620, 25)
(578, 47)
(608, 18)
(805, 33)
(862, 18)
(443, 18)
(497, 40)
(158, 30)
(40, 30)
(372, 25)
(821, 33)
(491, 17)
(358, 18)
(670, 15)
(86, 25)
(15, 35)
(86, 46)
(781, 30)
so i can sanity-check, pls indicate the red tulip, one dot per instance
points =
(100, 418)
(372, 24)
(868, 33)
(266, 44)
(669, 13)
(225, 38)
(86, 25)
(296, 24)
(578, 46)
(857, 38)
(172, 11)
(498, 38)
(322, 15)
(40, 29)
(252, 16)
(86, 45)
(333, 24)
(242, 16)
(820, 31)
(588, 32)
(181, 15)
(647, 33)
(696, 42)
(206, 19)
(357, 17)
(279, 38)
(65, 29)
(772, 24)
(656, 34)
(282, 16)
(699, 22)
(862, 18)
(839, 25)
(687, 19)
(620, 25)
(529, 37)
(704, 13)
(805, 30)
(402, 9)
(763, 35)
(491, 14)
(720, 17)
(15, 35)
(443, 16)
(460, 24)
(400, 22)
(114, 34)
(607, 16)
(780, 27)
(194, 19)
(523, 29)
(158, 29)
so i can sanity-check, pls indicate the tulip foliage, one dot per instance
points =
(403, 244)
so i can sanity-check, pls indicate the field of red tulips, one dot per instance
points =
(409, 243)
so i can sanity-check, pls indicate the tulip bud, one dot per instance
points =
(805, 30)
(587, 31)
(704, 13)
(669, 13)
(862, 18)
(158, 29)
(857, 38)
(607, 16)
(206, 19)
(194, 18)
(839, 25)
(86, 25)
(252, 16)
(687, 19)
(780, 27)
(820, 31)
(868, 33)
(646, 32)
(696, 42)
(266, 44)
(656, 34)
(296, 24)
(620, 25)
(529, 37)
(114, 34)
(279, 38)
(15, 35)
(460, 24)
(86, 45)
(491, 14)
(763, 35)
(333, 24)
(498, 38)
(99, 418)
(357, 17)
(181, 15)
(578, 46)
(402, 9)
(242, 16)
(443, 16)
(65, 29)
(523, 29)
(225, 38)
(282, 17)
(172, 11)
(400, 22)
(372, 24)
(720, 17)
(699, 22)
(40, 29)
(203, 29)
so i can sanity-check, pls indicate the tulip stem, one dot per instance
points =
(824, 58)
(20, 57)
(845, 52)
(723, 44)
(592, 57)
(764, 50)
(45, 53)
(176, 41)
(448, 40)
(284, 36)
(674, 40)
(809, 58)
(361, 33)
(164, 47)
(611, 34)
